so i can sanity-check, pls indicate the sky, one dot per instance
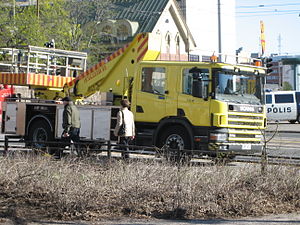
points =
(282, 25)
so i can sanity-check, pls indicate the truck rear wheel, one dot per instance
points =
(175, 138)
(39, 133)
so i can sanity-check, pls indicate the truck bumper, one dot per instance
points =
(236, 147)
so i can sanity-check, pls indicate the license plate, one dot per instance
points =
(246, 146)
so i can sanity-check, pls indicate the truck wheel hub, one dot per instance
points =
(39, 135)
(175, 141)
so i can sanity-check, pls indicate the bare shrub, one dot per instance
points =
(87, 190)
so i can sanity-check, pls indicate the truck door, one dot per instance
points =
(150, 96)
(10, 118)
(192, 100)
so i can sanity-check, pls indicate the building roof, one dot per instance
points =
(145, 12)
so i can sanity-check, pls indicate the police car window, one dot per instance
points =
(269, 99)
(297, 96)
(284, 98)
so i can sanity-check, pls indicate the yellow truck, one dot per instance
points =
(177, 104)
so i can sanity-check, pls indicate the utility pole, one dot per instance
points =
(13, 31)
(279, 44)
(14, 9)
(219, 31)
(37, 9)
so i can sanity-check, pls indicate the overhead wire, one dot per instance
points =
(266, 5)
(273, 11)
(266, 10)
(270, 14)
(267, 13)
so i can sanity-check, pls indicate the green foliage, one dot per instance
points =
(85, 16)
(29, 26)
(71, 23)
(287, 86)
(55, 23)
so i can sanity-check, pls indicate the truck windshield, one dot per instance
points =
(244, 89)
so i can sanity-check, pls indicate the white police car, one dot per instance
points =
(283, 105)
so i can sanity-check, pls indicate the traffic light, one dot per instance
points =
(50, 44)
(269, 64)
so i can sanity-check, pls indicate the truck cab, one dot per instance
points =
(206, 106)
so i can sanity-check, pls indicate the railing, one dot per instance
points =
(49, 61)
(13, 143)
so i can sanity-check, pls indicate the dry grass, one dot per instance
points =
(82, 190)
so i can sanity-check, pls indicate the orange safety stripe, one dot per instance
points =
(56, 82)
(2, 78)
(140, 37)
(142, 54)
(34, 79)
(43, 79)
(99, 65)
(143, 43)
(12, 78)
(143, 48)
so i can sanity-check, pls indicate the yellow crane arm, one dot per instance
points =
(110, 74)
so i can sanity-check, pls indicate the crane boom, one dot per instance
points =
(112, 73)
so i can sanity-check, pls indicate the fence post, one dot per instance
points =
(5, 145)
(264, 158)
(178, 156)
(109, 150)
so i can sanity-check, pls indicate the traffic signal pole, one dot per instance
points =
(37, 9)
(219, 31)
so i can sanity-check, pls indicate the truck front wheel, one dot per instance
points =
(39, 133)
(175, 138)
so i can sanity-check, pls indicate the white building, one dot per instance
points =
(160, 17)
(202, 27)
(202, 18)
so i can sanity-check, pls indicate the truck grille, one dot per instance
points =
(245, 136)
(246, 123)
(245, 127)
(245, 120)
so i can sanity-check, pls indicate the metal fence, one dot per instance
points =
(13, 143)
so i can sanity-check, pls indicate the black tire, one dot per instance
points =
(292, 121)
(40, 131)
(175, 138)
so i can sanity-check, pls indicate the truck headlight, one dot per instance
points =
(218, 136)
(258, 136)
(232, 135)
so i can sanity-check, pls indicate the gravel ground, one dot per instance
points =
(285, 219)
